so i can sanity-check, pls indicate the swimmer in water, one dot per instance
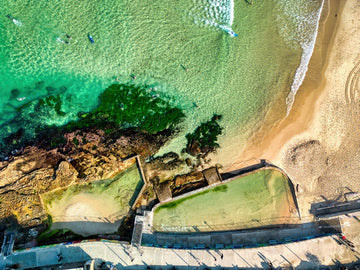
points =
(184, 68)
(62, 41)
(21, 99)
(67, 36)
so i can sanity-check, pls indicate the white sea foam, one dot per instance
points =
(299, 26)
(214, 13)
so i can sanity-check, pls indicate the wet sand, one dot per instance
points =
(87, 214)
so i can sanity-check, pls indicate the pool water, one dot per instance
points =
(259, 199)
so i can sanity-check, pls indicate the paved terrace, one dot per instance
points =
(302, 255)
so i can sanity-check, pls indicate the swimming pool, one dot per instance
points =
(259, 199)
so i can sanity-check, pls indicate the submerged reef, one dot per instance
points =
(53, 102)
(130, 106)
(121, 107)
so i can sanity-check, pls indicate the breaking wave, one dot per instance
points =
(213, 13)
(299, 23)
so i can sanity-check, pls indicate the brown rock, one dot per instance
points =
(194, 148)
(65, 175)
(188, 162)
(188, 178)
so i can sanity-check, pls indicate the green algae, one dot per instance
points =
(53, 102)
(130, 106)
(48, 104)
(173, 204)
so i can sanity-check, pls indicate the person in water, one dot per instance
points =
(62, 41)
(15, 21)
(67, 36)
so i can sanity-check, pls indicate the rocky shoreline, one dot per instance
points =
(94, 148)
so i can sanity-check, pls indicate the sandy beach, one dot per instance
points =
(316, 143)
(278, 130)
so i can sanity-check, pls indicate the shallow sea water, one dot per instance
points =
(156, 41)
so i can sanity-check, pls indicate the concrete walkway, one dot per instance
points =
(305, 255)
(310, 254)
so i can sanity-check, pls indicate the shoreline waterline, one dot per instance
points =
(300, 73)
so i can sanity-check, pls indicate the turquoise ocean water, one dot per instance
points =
(156, 41)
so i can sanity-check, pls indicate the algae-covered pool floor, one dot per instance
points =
(96, 207)
(255, 200)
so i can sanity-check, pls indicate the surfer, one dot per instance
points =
(15, 21)
(184, 68)
(91, 39)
